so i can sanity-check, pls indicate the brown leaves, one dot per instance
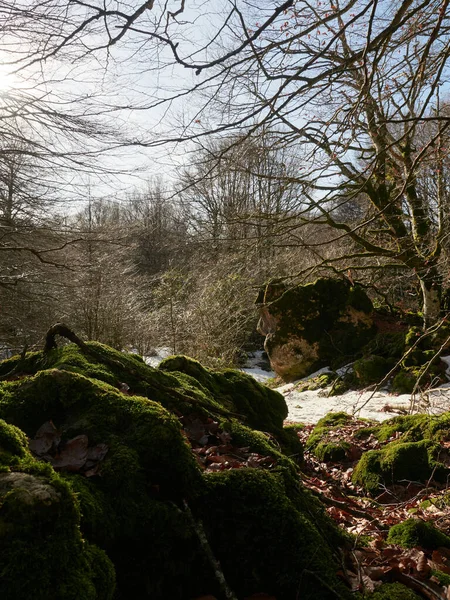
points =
(214, 451)
(73, 455)
(366, 568)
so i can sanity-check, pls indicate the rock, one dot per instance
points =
(313, 325)
(42, 552)
(141, 513)
(415, 532)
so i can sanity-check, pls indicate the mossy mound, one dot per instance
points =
(145, 503)
(393, 591)
(372, 369)
(263, 408)
(247, 513)
(179, 383)
(397, 461)
(42, 553)
(388, 345)
(414, 532)
(317, 383)
(414, 428)
(325, 447)
(305, 330)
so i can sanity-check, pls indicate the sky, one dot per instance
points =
(128, 86)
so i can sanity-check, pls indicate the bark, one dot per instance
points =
(431, 293)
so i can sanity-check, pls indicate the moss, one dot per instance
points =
(334, 419)
(414, 532)
(413, 428)
(13, 444)
(317, 383)
(387, 345)
(127, 424)
(411, 461)
(180, 384)
(342, 385)
(335, 330)
(263, 408)
(443, 578)
(372, 369)
(290, 444)
(41, 550)
(264, 540)
(332, 452)
(134, 509)
(261, 443)
(393, 591)
(147, 456)
(404, 381)
(319, 443)
(103, 572)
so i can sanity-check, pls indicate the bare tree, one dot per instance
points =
(352, 83)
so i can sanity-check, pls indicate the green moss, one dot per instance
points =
(332, 452)
(387, 345)
(443, 578)
(305, 312)
(342, 385)
(411, 461)
(372, 369)
(317, 383)
(334, 419)
(42, 553)
(262, 443)
(414, 532)
(181, 384)
(265, 540)
(404, 381)
(102, 570)
(412, 428)
(393, 591)
(127, 424)
(13, 444)
(133, 512)
(319, 443)
(263, 408)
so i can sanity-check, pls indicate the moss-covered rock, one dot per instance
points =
(305, 330)
(134, 505)
(263, 408)
(317, 383)
(324, 447)
(372, 369)
(42, 553)
(13, 445)
(415, 532)
(261, 531)
(397, 461)
(393, 591)
(387, 345)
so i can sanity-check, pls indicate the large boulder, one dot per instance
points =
(156, 479)
(313, 325)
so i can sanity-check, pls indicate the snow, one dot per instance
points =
(160, 354)
(310, 406)
(258, 366)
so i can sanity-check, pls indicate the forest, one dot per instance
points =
(207, 180)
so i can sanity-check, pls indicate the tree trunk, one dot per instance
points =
(431, 293)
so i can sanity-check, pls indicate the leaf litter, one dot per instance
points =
(372, 561)
(74, 455)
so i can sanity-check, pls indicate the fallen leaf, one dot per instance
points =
(74, 454)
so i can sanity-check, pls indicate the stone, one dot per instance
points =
(314, 325)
